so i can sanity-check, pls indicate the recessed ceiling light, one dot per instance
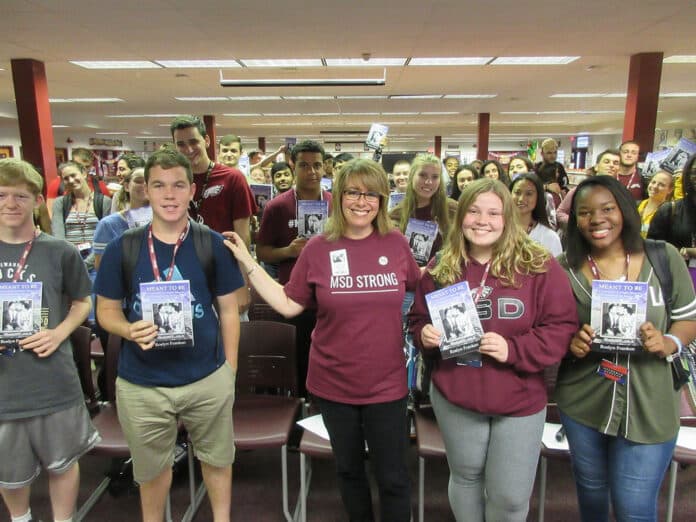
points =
(578, 95)
(534, 60)
(85, 100)
(308, 97)
(117, 64)
(680, 58)
(360, 113)
(616, 95)
(282, 114)
(201, 98)
(321, 114)
(198, 64)
(678, 95)
(539, 113)
(360, 97)
(415, 96)
(439, 113)
(253, 98)
(312, 62)
(399, 113)
(142, 115)
(468, 60)
(359, 62)
(468, 96)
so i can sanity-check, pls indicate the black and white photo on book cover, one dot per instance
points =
(167, 304)
(678, 155)
(453, 312)
(395, 198)
(311, 217)
(618, 310)
(421, 236)
(21, 311)
(376, 136)
(262, 194)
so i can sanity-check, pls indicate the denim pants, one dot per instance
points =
(384, 427)
(607, 467)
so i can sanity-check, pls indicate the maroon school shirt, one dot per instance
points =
(358, 287)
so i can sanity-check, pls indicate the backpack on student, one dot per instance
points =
(202, 242)
(97, 202)
(684, 366)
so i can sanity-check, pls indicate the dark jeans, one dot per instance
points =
(607, 467)
(384, 427)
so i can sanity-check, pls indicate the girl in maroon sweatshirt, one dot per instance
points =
(492, 415)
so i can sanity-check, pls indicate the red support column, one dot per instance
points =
(484, 130)
(209, 121)
(438, 145)
(262, 145)
(642, 97)
(34, 115)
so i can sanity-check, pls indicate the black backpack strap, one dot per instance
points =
(98, 204)
(130, 249)
(203, 243)
(657, 255)
(68, 201)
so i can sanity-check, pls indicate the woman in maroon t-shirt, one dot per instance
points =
(355, 274)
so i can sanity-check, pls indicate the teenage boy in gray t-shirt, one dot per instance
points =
(43, 419)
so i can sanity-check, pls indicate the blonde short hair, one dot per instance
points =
(15, 172)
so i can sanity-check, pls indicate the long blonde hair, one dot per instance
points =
(372, 175)
(513, 254)
(438, 201)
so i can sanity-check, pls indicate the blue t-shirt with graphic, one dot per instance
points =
(171, 366)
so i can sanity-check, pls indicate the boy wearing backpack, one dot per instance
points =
(195, 382)
(44, 423)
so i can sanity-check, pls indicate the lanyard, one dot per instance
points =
(479, 290)
(597, 273)
(153, 258)
(630, 180)
(23, 258)
(197, 203)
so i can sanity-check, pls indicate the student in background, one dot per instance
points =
(528, 195)
(660, 190)
(464, 175)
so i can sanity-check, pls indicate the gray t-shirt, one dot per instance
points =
(29, 385)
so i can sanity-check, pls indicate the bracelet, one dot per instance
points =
(251, 270)
(676, 341)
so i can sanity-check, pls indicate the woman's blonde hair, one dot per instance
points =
(15, 172)
(514, 253)
(372, 176)
(438, 201)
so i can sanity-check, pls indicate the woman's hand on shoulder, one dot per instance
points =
(654, 342)
(430, 337)
(580, 343)
(237, 246)
(494, 345)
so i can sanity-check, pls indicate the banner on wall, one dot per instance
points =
(504, 156)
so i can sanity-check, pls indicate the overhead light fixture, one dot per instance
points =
(541, 113)
(85, 100)
(142, 115)
(534, 60)
(439, 113)
(305, 82)
(281, 114)
(616, 95)
(680, 58)
(308, 97)
(198, 64)
(117, 64)
(415, 96)
(578, 95)
(362, 62)
(468, 60)
(310, 62)
(399, 113)
(678, 95)
(253, 98)
(243, 115)
(360, 113)
(360, 97)
(468, 96)
(201, 98)
(321, 114)
(60, 126)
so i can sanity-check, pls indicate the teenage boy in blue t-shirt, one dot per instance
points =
(194, 383)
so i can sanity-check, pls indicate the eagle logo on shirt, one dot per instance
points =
(211, 192)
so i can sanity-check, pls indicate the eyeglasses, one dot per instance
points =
(354, 195)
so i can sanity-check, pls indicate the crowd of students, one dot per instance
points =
(349, 285)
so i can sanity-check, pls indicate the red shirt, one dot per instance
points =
(537, 320)
(633, 183)
(227, 197)
(279, 227)
(358, 286)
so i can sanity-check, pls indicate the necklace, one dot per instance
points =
(597, 273)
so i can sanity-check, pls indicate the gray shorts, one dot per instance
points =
(53, 442)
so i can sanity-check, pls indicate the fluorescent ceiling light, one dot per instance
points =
(321, 114)
(360, 97)
(311, 62)
(468, 96)
(468, 60)
(578, 95)
(680, 58)
(534, 60)
(117, 64)
(439, 113)
(60, 126)
(242, 115)
(678, 95)
(616, 95)
(305, 82)
(282, 114)
(539, 113)
(111, 133)
(359, 62)
(415, 96)
(399, 113)
(308, 97)
(85, 100)
(253, 98)
(142, 115)
(201, 98)
(360, 113)
(198, 64)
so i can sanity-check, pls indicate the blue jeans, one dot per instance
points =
(384, 427)
(607, 467)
